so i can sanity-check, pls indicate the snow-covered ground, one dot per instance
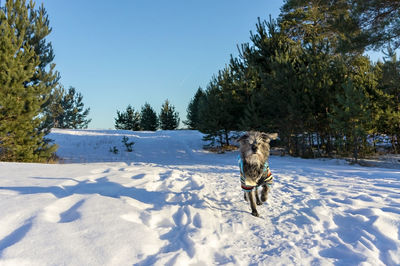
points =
(170, 203)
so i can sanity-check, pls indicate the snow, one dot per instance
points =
(170, 203)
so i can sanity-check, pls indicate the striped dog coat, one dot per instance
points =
(266, 178)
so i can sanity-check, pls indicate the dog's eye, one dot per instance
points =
(242, 138)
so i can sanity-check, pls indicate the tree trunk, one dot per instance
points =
(227, 137)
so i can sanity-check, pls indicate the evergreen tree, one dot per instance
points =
(54, 110)
(128, 120)
(350, 25)
(389, 107)
(276, 102)
(252, 118)
(315, 22)
(210, 114)
(169, 118)
(193, 110)
(24, 85)
(350, 118)
(73, 114)
(220, 108)
(35, 34)
(148, 118)
(379, 21)
(354, 114)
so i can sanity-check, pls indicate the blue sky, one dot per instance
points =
(131, 52)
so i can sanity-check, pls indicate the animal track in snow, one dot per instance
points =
(176, 221)
(197, 220)
(16, 235)
(63, 210)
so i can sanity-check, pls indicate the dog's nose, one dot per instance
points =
(254, 148)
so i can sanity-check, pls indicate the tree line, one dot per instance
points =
(147, 119)
(306, 77)
(32, 100)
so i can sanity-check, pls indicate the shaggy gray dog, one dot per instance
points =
(254, 169)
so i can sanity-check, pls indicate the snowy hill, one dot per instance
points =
(170, 203)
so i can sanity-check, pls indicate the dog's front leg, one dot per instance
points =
(264, 193)
(251, 196)
(258, 201)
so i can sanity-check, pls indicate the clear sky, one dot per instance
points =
(131, 52)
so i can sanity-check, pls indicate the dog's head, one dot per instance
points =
(254, 146)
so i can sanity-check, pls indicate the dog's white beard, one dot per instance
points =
(253, 158)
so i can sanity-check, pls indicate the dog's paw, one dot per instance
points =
(255, 213)
(259, 202)
(264, 198)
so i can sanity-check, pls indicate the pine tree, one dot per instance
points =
(169, 118)
(389, 83)
(315, 22)
(69, 110)
(252, 118)
(379, 21)
(24, 85)
(148, 118)
(276, 102)
(128, 120)
(35, 35)
(220, 109)
(53, 110)
(193, 110)
(210, 115)
(351, 117)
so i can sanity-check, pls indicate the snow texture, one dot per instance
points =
(170, 203)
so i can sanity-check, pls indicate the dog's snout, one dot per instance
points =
(254, 148)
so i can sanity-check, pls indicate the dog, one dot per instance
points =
(254, 169)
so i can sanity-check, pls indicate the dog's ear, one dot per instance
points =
(243, 137)
(269, 136)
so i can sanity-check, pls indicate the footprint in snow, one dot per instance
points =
(64, 210)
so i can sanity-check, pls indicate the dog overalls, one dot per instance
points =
(266, 179)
